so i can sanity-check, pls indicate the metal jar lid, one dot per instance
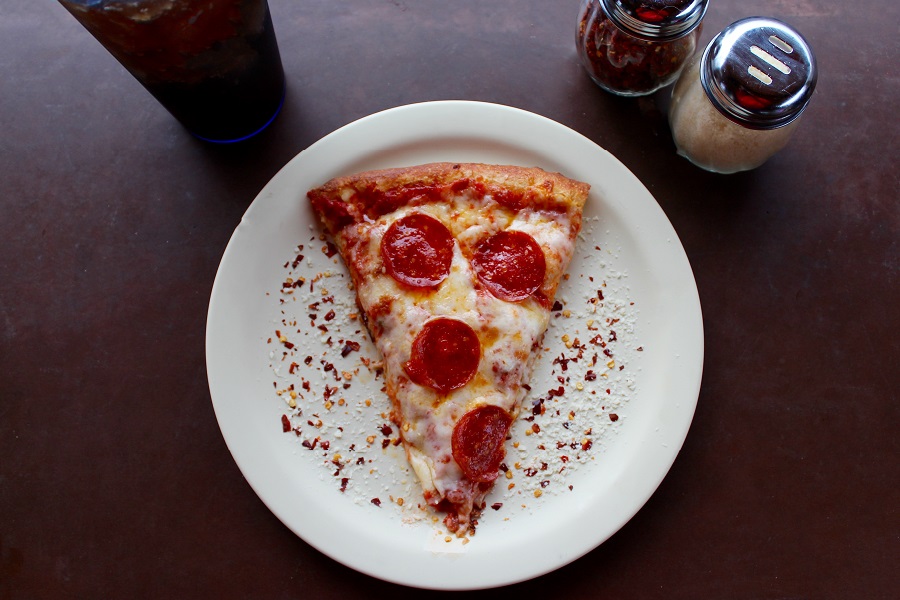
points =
(655, 20)
(759, 73)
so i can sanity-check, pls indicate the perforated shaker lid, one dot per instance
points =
(655, 20)
(759, 72)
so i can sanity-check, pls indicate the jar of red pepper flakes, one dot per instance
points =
(635, 47)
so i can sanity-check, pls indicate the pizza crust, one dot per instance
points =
(540, 189)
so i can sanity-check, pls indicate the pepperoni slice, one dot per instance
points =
(445, 355)
(417, 251)
(510, 264)
(478, 442)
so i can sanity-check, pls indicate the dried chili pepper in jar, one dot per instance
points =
(635, 47)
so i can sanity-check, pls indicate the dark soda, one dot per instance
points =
(215, 66)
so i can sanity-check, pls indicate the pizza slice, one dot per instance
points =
(455, 268)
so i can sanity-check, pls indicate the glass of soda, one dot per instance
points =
(213, 64)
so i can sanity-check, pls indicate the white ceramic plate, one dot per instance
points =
(663, 380)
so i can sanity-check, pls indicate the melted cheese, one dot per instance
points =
(510, 333)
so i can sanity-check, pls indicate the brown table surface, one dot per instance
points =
(115, 481)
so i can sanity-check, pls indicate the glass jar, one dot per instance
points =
(635, 47)
(740, 101)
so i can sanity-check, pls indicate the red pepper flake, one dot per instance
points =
(308, 360)
(329, 315)
(329, 392)
(562, 361)
(325, 444)
(349, 347)
(285, 423)
(530, 472)
(590, 376)
(535, 428)
(545, 483)
(613, 417)
(497, 505)
(640, 348)
(376, 501)
(386, 430)
(344, 482)
(586, 444)
(612, 335)
(297, 261)
(557, 306)
(329, 249)
(293, 368)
